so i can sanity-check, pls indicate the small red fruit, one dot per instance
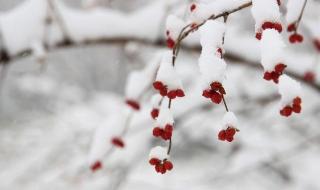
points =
(133, 104)
(309, 76)
(172, 94)
(157, 132)
(154, 161)
(286, 111)
(118, 142)
(279, 68)
(291, 28)
(267, 75)
(158, 85)
(170, 43)
(193, 7)
(216, 98)
(278, 27)
(154, 113)
(267, 25)
(180, 93)
(297, 101)
(316, 43)
(222, 135)
(168, 165)
(96, 166)
(296, 108)
(259, 35)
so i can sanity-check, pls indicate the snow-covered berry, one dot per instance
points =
(174, 26)
(158, 158)
(96, 166)
(164, 124)
(229, 124)
(117, 142)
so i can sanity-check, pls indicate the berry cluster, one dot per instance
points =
(117, 142)
(227, 134)
(275, 74)
(296, 108)
(161, 166)
(163, 90)
(133, 104)
(215, 93)
(164, 133)
(294, 37)
(268, 25)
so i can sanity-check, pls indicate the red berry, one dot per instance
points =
(275, 77)
(164, 91)
(172, 94)
(193, 7)
(267, 25)
(267, 75)
(291, 27)
(279, 68)
(157, 132)
(168, 128)
(316, 43)
(229, 139)
(166, 135)
(154, 161)
(206, 94)
(216, 98)
(219, 50)
(96, 166)
(158, 85)
(278, 27)
(296, 108)
(170, 43)
(297, 101)
(259, 35)
(222, 135)
(230, 132)
(180, 93)
(133, 104)
(168, 165)
(295, 38)
(215, 86)
(286, 111)
(154, 113)
(118, 142)
(309, 76)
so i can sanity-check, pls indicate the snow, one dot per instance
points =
(272, 49)
(159, 152)
(288, 89)
(212, 68)
(294, 8)
(167, 73)
(18, 37)
(211, 34)
(201, 13)
(174, 25)
(38, 50)
(139, 81)
(165, 117)
(155, 100)
(265, 10)
(229, 120)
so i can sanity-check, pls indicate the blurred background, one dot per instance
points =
(54, 97)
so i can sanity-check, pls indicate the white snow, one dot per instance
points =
(294, 8)
(212, 68)
(272, 49)
(159, 152)
(165, 117)
(155, 100)
(229, 120)
(288, 89)
(265, 10)
(139, 81)
(174, 25)
(167, 73)
(201, 13)
(38, 50)
(20, 29)
(211, 34)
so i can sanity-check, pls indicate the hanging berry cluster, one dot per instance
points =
(294, 14)
(273, 54)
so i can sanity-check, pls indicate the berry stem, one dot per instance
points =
(225, 103)
(169, 147)
(300, 16)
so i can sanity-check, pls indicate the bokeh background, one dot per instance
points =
(49, 111)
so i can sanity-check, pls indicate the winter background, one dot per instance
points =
(49, 111)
